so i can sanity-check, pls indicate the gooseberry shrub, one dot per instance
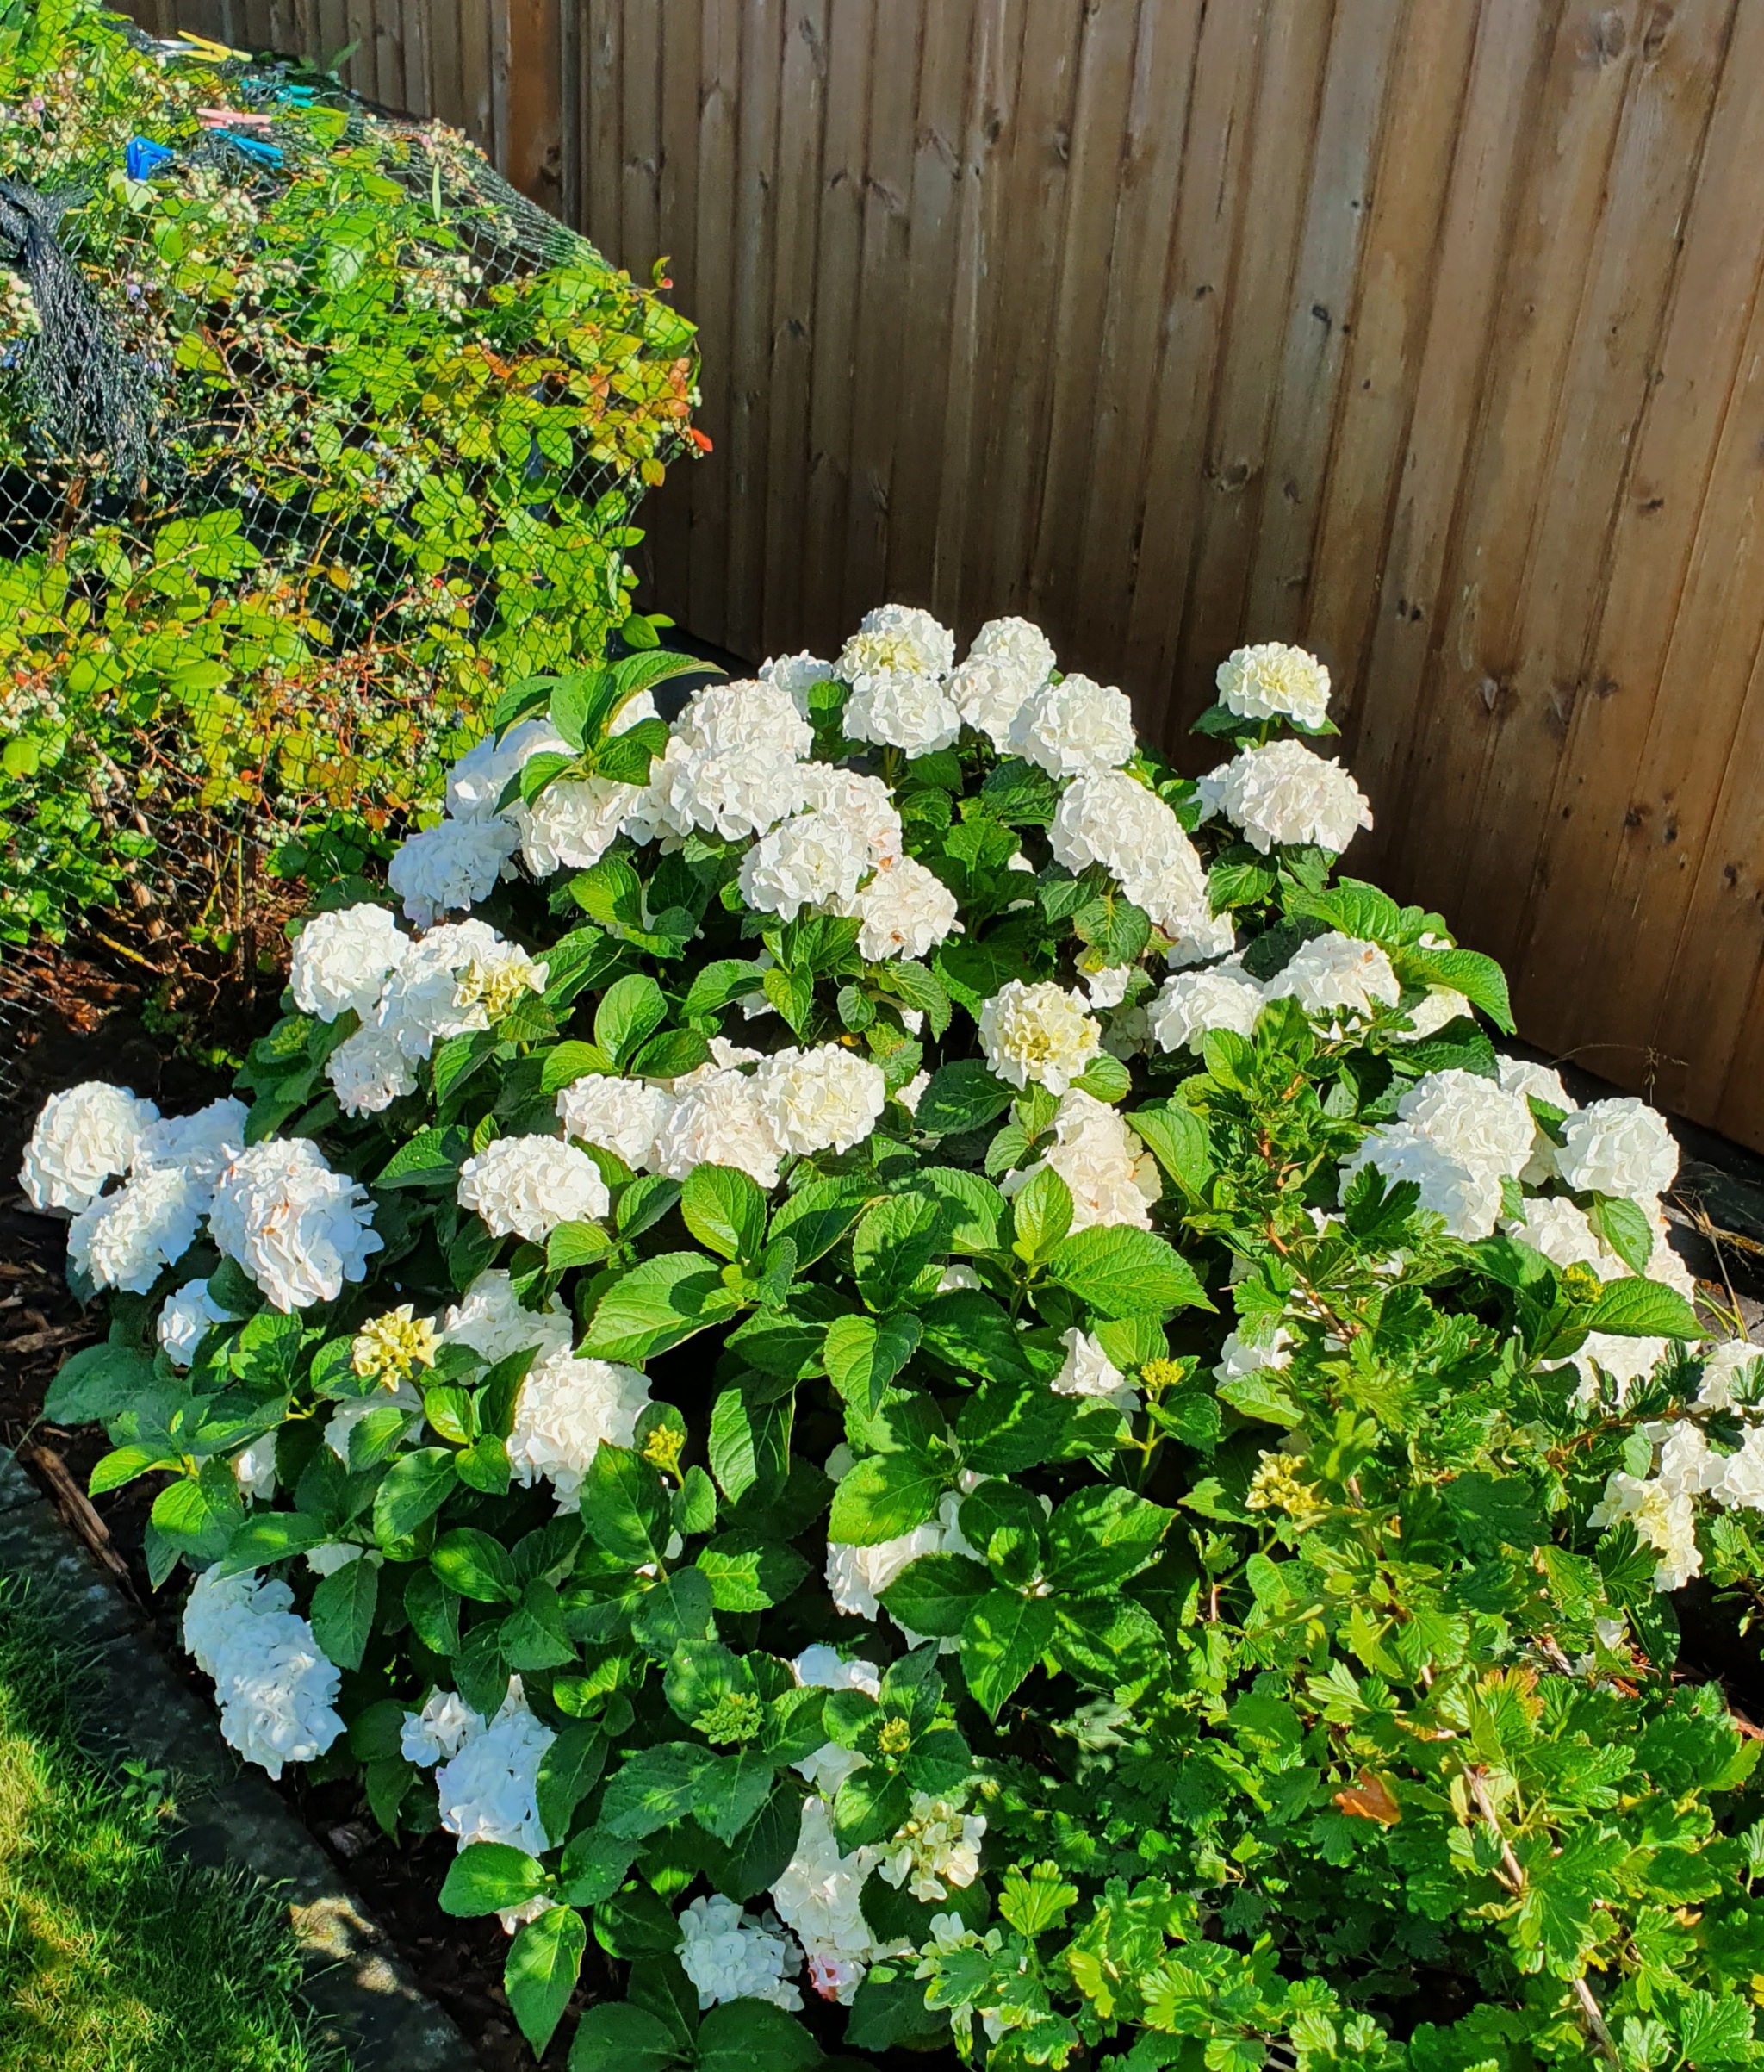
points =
(929, 1371)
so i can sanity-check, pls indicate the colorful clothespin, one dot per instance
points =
(207, 50)
(232, 118)
(253, 148)
(142, 158)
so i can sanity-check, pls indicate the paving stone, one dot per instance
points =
(15, 1486)
(34, 1544)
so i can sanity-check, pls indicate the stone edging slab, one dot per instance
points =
(356, 1981)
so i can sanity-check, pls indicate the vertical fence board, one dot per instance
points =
(1364, 36)
(1199, 277)
(881, 298)
(839, 246)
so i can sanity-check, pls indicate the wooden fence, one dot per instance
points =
(1424, 331)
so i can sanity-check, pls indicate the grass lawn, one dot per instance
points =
(114, 1956)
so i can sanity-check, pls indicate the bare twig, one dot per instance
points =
(76, 1507)
(1595, 2022)
(1511, 1874)
(52, 1335)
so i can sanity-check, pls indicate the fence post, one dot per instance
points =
(527, 96)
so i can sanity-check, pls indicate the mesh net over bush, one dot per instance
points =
(312, 431)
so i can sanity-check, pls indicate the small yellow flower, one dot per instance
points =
(1276, 1486)
(896, 1738)
(496, 986)
(1580, 1283)
(388, 1349)
(663, 1448)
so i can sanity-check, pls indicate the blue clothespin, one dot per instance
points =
(143, 157)
(253, 148)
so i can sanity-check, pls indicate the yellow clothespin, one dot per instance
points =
(207, 50)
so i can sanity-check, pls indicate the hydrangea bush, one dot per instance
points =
(909, 1368)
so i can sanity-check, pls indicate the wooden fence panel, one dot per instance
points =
(1428, 333)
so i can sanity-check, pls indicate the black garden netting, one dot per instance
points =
(312, 433)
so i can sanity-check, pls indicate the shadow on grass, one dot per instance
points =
(114, 1955)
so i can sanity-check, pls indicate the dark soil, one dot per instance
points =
(83, 1020)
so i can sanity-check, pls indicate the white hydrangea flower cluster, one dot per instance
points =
(906, 909)
(452, 865)
(491, 1319)
(1038, 1033)
(94, 1132)
(1285, 793)
(487, 1788)
(295, 1228)
(1111, 1177)
(797, 674)
(566, 1407)
(274, 1686)
(1191, 1004)
(407, 993)
(1109, 817)
(190, 1314)
(813, 859)
(83, 1137)
(1007, 664)
(1271, 681)
(818, 1896)
(1457, 1137)
(1662, 1505)
(1664, 1519)
(1075, 728)
(895, 664)
(728, 1955)
(1239, 1357)
(439, 1731)
(1621, 1147)
(525, 1187)
(937, 1847)
(1090, 1371)
(125, 1239)
(622, 1115)
(732, 766)
(795, 1102)
(1337, 976)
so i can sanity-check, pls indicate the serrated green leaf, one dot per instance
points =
(415, 1488)
(1002, 1638)
(539, 1975)
(964, 1096)
(884, 1496)
(659, 1304)
(1642, 1309)
(934, 1593)
(1122, 1271)
(342, 1613)
(487, 1876)
(724, 1209)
